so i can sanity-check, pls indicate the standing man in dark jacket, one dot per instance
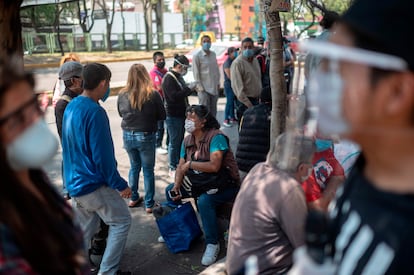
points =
(71, 75)
(254, 136)
(176, 92)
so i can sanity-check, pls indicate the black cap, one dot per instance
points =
(386, 23)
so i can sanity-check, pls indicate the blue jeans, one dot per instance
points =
(107, 204)
(229, 110)
(175, 127)
(140, 147)
(160, 133)
(207, 205)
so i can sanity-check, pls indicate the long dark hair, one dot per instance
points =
(203, 113)
(43, 230)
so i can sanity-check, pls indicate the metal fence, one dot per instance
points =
(48, 42)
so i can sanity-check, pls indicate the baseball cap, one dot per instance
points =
(70, 69)
(384, 24)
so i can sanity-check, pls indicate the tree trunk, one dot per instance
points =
(56, 26)
(121, 3)
(159, 11)
(277, 81)
(148, 24)
(11, 32)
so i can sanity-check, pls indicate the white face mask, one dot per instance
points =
(325, 96)
(189, 126)
(33, 148)
(303, 178)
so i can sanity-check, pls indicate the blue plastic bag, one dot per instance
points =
(179, 228)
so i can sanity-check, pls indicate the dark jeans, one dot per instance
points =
(175, 128)
(207, 205)
(241, 108)
(229, 110)
(160, 133)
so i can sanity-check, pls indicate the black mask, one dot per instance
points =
(160, 65)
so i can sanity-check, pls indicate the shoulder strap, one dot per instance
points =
(66, 98)
(173, 76)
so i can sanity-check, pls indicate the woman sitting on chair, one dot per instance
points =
(206, 153)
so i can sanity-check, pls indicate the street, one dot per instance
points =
(46, 77)
(143, 254)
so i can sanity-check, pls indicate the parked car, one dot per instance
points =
(220, 48)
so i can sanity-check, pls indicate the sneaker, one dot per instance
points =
(233, 121)
(161, 151)
(226, 123)
(161, 239)
(210, 255)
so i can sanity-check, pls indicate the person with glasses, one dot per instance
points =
(90, 167)
(176, 92)
(269, 213)
(59, 87)
(364, 91)
(38, 232)
(206, 150)
(71, 75)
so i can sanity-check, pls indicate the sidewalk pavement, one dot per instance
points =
(143, 254)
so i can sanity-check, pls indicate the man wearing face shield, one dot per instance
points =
(366, 94)
(246, 78)
(176, 92)
(206, 73)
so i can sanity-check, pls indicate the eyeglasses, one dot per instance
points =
(16, 119)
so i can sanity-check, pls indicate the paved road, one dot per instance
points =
(143, 254)
(46, 77)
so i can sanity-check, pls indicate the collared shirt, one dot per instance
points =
(267, 220)
(246, 79)
(206, 72)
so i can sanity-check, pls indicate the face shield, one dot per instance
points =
(326, 86)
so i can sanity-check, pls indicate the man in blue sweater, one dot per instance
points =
(90, 168)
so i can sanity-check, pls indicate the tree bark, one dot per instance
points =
(277, 81)
(11, 32)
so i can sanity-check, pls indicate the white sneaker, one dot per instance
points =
(161, 151)
(161, 239)
(210, 255)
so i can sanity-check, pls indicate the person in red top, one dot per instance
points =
(326, 177)
(157, 73)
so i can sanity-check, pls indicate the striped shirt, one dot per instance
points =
(372, 229)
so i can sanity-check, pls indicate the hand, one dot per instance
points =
(126, 193)
(176, 189)
(192, 85)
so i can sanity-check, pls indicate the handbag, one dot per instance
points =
(202, 182)
(179, 227)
